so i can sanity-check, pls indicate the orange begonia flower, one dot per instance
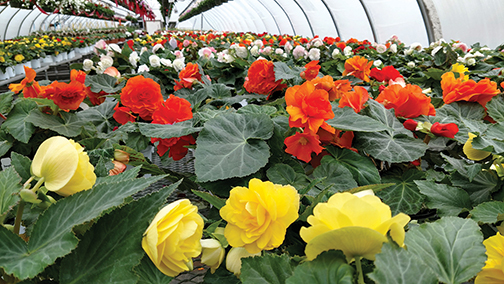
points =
(311, 70)
(78, 75)
(408, 101)
(67, 96)
(459, 90)
(30, 87)
(261, 78)
(187, 76)
(359, 67)
(355, 99)
(339, 138)
(334, 88)
(173, 110)
(301, 145)
(176, 145)
(123, 114)
(142, 95)
(308, 107)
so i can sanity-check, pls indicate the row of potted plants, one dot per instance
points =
(323, 160)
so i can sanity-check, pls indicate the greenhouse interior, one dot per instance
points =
(251, 141)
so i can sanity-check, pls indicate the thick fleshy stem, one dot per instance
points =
(360, 275)
(427, 139)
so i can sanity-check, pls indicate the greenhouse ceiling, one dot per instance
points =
(421, 21)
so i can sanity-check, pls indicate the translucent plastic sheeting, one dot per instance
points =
(397, 17)
(319, 17)
(472, 21)
(351, 19)
(298, 18)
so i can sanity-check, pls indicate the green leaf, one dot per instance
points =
(164, 131)
(9, 187)
(469, 170)
(451, 247)
(362, 168)
(212, 199)
(221, 276)
(495, 108)
(346, 119)
(6, 102)
(100, 116)
(435, 73)
(103, 82)
(110, 249)
(448, 200)
(462, 114)
(397, 265)
(17, 123)
(150, 274)
(491, 140)
(269, 110)
(339, 178)
(45, 246)
(394, 146)
(6, 142)
(328, 267)
(285, 174)
(231, 145)
(283, 71)
(69, 124)
(487, 212)
(267, 269)
(404, 196)
(22, 165)
(480, 188)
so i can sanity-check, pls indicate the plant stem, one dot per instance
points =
(360, 275)
(38, 184)
(427, 139)
(19, 215)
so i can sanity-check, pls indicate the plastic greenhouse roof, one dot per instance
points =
(413, 21)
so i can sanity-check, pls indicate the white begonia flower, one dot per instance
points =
(87, 64)
(143, 68)
(144, 49)
(377, 63)
(258, 43)
(157, 47)
(178, 54)
(471, 61)
(279, 51)
(206, 52)
(408, 51)
(267, 50)
(411, 64)
(478, 54)
(154, 61)
(485, 48)
(299, 52)
(347, 51)
(288, 47)
(134, 58)
(173, 42)
(381, 48)
(241, 51)
(114, 47)
(106, 61)
(335, 53)
(317, 42)
(314, 54)
(228, 58)
(254, 50)
(166, 62)
(393, 48)
(178, 64)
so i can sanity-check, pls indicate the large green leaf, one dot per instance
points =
(22, 165)
(111, 248)
(232, 145)
(149, 274)
(362, 168)
(465, 168)
(100, 116)
(448, 200)
(404, 196)
(396, 145)
(488, 212)
(495, 108)
(463, 114)
(397, 265)
(339, 178)
(6, 142)
(9, 187)
(221, 276)
(69, 124)
(285, 174)
(491, 140)
(451, 247)
(269, 110)
(210, 198)
(164, 131)
(480, 188)
(283, 71)
(328, 267)
(45, 246)
(17, 123)
(267, 269)
(6, 102)
(346, 119)
(104, 82)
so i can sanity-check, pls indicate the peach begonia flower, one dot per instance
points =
(455, 90)
(173, 237)
(359, 67)
(308, 107)
(355, 99)
(258, 216)
(408, 101)
(356, 224)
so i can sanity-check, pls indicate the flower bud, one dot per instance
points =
(118, 168)
(233, 259)
(212, 253)
(121, 156)
(29, 196)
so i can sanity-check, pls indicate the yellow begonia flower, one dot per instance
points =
(233, 259)
(173, 237)
(19, 57)
(64, 166)
(461, 69)
(258, 216)
(471, 153)
(212, 254)
(355, 225)
(493, 271)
